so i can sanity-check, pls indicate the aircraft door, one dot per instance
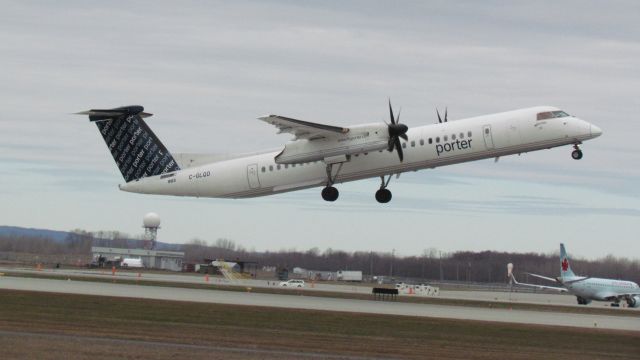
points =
(252, 176)
(488, 138)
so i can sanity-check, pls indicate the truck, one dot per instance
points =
(345, 275)
(129, 263)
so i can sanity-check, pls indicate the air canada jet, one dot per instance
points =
(587, 288)
(322, 155)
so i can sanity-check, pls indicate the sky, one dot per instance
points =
(207, 70)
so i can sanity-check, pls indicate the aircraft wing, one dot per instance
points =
(303, 129)
(561, 289)
(543, 277)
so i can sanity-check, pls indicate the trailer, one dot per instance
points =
(344, 275)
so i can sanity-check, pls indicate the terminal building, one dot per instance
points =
(151, 259)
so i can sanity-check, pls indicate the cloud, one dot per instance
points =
(207, 70)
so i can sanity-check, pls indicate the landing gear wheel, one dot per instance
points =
(576, 154)
(330, 193)
(383, 196)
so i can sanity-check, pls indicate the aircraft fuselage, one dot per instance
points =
(429, 146)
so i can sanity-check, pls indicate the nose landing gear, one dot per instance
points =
(576, 154)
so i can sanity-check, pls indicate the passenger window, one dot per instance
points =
(286, 166)
(421, 142)
(486, 131)
(404, 145)
(453, 137)
(437, 139)
(278, 167)
(469, 134)
(270, 167)
(461, 135)
(445, 138)
(413, 143)
(264, 169)
(430, 141)
(293, 165)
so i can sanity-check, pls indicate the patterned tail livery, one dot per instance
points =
(565, 267)
(136, 149)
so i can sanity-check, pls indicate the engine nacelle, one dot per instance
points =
(634, 301)
(359, 139)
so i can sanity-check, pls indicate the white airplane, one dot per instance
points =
(323, 155)
(587, 288)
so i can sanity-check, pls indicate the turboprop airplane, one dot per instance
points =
(324, 155)
(587, 288)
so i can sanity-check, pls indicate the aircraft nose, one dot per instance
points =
(595, 131)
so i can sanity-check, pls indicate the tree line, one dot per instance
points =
(430, 264)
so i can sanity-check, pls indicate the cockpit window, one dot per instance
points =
(552, 114)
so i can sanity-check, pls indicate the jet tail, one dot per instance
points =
(565, 267)
(135, 148)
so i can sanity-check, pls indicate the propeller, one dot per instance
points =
(396, 131)
(445, 115)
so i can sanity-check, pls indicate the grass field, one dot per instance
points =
(56, 326)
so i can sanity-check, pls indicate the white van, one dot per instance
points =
(131, 263)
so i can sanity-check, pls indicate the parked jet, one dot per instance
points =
(324, 155)
(587, 288)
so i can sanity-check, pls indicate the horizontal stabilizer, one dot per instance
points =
(110, 114)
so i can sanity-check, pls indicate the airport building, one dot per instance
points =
(151, 259)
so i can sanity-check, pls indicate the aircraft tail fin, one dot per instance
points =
(565, 267)
(135, 148)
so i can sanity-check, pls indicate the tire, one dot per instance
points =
(330, 193)
(576, 154)
(383, 196)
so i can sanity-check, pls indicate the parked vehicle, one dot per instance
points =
(292, 283)
(131, 263)
(344, 275)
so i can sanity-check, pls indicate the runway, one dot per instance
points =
(321, 303)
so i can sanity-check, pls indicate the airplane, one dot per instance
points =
(324, 155)
(587, 288)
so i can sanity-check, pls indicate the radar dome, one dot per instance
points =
(151, 220)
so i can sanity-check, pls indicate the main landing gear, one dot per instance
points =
(576, 154)
(383, 195)
(330, 193)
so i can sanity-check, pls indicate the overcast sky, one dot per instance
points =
(207, 70)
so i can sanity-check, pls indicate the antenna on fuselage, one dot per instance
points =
(445, 115)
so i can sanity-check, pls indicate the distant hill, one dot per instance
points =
(30, 232)
(63, 236)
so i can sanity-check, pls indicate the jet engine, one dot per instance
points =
(634, 301)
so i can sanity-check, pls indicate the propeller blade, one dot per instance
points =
(439, 118)
(391, 143)
(445, 114)
(398, 118)
(393, 121)
(399, 148)
(404, 136)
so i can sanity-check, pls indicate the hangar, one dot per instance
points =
(151, 259)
